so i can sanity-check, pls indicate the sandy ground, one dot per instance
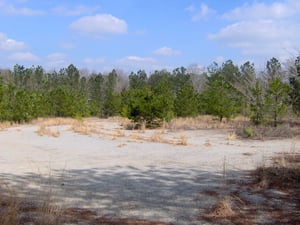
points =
(128, 174)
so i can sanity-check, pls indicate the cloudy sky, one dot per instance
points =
(146, 34)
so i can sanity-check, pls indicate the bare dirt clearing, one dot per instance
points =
(163, 175)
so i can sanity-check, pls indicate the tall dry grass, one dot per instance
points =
(43, 130)
(15, 210)
(205, 122)
(5, 125)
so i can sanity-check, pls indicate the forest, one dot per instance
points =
(223, 91)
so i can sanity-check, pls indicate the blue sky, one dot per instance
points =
(146, 34)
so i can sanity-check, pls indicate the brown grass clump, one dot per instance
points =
(207, 143)
(81, 127)
(156, 137)
(120, 133)
(190, 123)
(206, 122)
(57, 121)
(5, 125)
(284, 173)
(265, 132)
(231, 136)
(9, 207)
(222, 210)
(43, 130)
(183, 139)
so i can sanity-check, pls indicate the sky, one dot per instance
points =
(101, 35)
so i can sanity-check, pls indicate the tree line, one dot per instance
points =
(224, 91)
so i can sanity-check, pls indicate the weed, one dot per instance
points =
(5, 125)
(156, 137)
(120, 133)
(183, 139)
(43, 130)
(231, 136)
(207, 143)
(283, 173)
(248, 132)
(222, 210)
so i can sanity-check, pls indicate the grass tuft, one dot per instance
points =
(284, 173)
(43, 130)
(222, 209)
(183, 139)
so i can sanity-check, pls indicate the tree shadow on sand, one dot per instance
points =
(161, 194)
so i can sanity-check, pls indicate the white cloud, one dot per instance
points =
(199, 14)
(57, 60)
(99, 25)
(134, 63)
(76, 11)
(23, 56)
(10, 44)
(265, 37)
(93, 61)
(166, 51)
(262, 30)
(10, 9)
(139, 59)
(260, 10)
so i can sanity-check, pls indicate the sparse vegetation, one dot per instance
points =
(284, 173)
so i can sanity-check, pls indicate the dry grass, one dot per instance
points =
(57, 121)
(156, 137)
(207, 143)
(183, 139)
(205, 122)
(284, 173)
(9, 209)
(18, 211)
(82, 127)
(119, 133)
(222, 209)
(266, 132)
(15, 210)
(43, 130)
(5, 125)
(231, 136)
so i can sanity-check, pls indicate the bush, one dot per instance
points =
(248, 132)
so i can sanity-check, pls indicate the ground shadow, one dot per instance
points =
(177, 196)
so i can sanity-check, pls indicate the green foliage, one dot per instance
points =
(95, 93)
(163, 101)
(139, 105)
(277, 99)
(257, 103)
(62, 102)
(24, 106)
(138, 80)
(249, 132)
(295, 94)
(220, 98)
(3, 101)
(273, 69)
(226, 90)
(111, 102)
(186, 102)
